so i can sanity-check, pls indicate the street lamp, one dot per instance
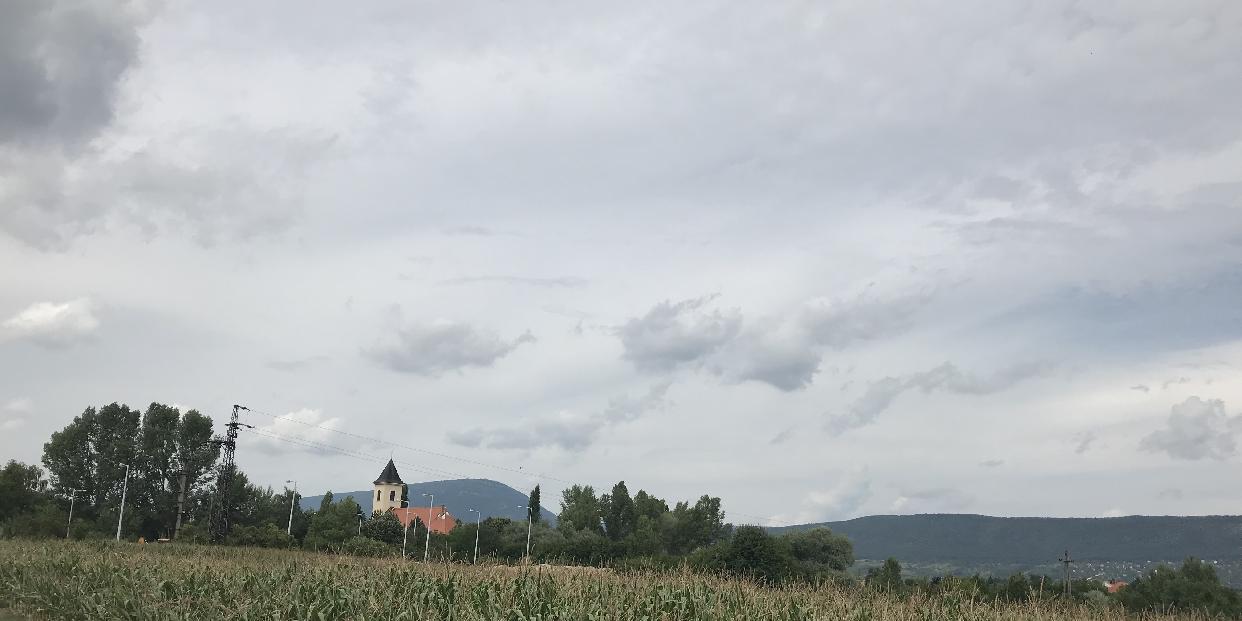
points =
(72, 496)
(121, 514)
(529, 521)
(478, 522)
(427, 546)
(292, 499)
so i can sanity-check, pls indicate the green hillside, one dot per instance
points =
(980, 539)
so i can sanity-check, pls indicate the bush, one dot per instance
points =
(266, 536)
(361, 546)
(1193, 587)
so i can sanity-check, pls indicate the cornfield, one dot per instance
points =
(96, 580)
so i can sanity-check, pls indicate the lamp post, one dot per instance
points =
(477, 523)
(529, 521)
(405, 535)
(292, 499)
(73, 493)
(121, 514)
(427, 546)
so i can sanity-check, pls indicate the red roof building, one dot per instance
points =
(437, 518)
(1115, 585)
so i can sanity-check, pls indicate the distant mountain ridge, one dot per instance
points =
(492, 498)
(972, 539)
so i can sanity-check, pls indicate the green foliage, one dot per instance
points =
(265, 536)
(162, 447)
(1194, 586)
(384, 527)
(580, 510)
(58, 580)
(534, 510)
(620, 516)
(363, 546)
(887, 577)
(332, 525)
(819, 551)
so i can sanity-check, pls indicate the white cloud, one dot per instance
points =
(51, 324)
(840, 501)
(305, 430)
(1196, 429)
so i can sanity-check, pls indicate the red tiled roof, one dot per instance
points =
(439, 519)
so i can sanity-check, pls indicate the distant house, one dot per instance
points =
(437, 518)
(1115, 585)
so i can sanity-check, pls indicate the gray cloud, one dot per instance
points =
(435, 348)
(1083, 442)
(838, 324)
(60, 63)
(564, 430)
(992, 463)
(569, 282)
(947, 377)
(1196, 429)
(60, 66)
(1140, 388)
(671, 334)
(52, 325)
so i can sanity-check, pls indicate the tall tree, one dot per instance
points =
(580, 510)
(647, 505)
(620, 516)
(533, 509)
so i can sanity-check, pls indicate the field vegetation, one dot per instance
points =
(101, 580)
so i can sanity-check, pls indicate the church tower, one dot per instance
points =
(387, 489)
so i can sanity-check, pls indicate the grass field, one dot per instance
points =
(68, 580)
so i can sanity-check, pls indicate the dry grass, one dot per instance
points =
(67, 580)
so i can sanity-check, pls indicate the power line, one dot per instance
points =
(417, 467)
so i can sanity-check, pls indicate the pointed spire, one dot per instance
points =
(389, 476)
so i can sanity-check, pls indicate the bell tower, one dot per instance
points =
(387, 489)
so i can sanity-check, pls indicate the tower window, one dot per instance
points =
(377, 494)
(392, 495)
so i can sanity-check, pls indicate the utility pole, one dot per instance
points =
(430, 509)
(478, 523)
(289, 530)
(120, 516)
(180, 505)
(220, 514)
(529, 522)
(1066, 560)
(72, 495)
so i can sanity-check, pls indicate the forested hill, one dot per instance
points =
(938, 538)
(492, 498)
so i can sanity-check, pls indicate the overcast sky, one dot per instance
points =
(819, 259)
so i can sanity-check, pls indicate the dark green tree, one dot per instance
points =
(580, 510)
(619, 513)
(886, 577)
(384, 527)
(1193, 587)
(754, 553)
(333, 524)
(533, 508)
(818, 550)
